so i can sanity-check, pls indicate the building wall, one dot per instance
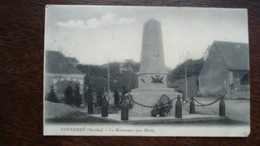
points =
(236, 90)
(214, 74)
(58, 81)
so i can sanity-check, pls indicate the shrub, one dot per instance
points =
(52, 97)
(69, 95)
(116, 98)
(77, 96)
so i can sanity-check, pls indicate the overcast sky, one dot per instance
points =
(98, 34)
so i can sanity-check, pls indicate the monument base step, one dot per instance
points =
(160, 120)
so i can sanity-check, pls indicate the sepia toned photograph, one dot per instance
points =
(146, 71)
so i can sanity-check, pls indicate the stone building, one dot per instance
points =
(226, 71)
(61, 71)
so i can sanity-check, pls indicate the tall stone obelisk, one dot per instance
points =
(152, 71)
(152, 76)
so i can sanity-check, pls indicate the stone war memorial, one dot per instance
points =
(153, 101)
(152, 76)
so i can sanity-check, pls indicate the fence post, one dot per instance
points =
(104, 107)
(178, 108)
(192, 106)
(124, 110)
(222, 106)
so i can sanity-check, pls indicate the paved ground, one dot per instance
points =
(83, 118)
(238, 112)
(164, 120)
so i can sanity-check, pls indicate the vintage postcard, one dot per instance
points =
(146, 71)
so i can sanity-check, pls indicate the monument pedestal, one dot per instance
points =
(149, 97)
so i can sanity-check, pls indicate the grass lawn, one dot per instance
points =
(62, 113)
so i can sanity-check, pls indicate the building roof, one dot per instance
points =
(58, 63)
(235, 55)
(72, 59)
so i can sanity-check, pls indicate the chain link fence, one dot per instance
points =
(131, 100)
(128, 101)
(199, 103)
